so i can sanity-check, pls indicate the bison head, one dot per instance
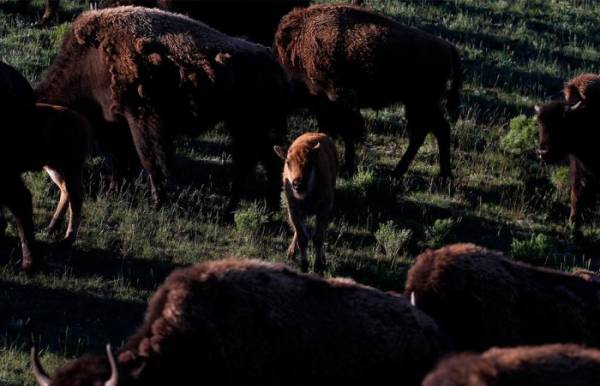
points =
(299, 169)
(85, 371)
(555, 120)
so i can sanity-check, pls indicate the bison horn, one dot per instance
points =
(537, 109)
(38, 371)
(576, 106)
(413, 299)
(114, 371)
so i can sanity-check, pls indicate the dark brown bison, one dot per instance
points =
(241, 322)
(484, 300)
(550, 365)
(36, 136)
(151, 74)
(347, 57)
(570, 131)
(585, 87)
(309, 176)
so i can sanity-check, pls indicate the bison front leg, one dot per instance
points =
(323, 219)
(50, 12)
(301, 236)
(581, 197)
(18, 200)
(151, 143)
(416, 139)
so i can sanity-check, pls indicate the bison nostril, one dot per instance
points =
(297, 183)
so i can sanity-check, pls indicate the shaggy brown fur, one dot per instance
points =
(485, 300)
(255, 20)
(17, 155)
(309, 176)
(163, 74)
(551, 365)
(348, 57)
(241, 322)
(66, 138)
(572, 132)
(585, 87)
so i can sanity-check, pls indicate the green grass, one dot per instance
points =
(517, 53)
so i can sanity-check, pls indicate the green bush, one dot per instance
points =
(441, 232)
(522, 136)
(392, 240)
(538, 247)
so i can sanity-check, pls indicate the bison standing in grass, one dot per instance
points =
(571, 131)
(251, 323)
(483, 300)
(551, 365)
(151, 75)
(346, 58)
(36, 136)
(309, 176)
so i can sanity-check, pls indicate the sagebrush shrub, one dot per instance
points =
(391, 239)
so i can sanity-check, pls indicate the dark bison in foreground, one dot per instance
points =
(551, 365)
(347, 57)
(571, 131)
(35, 136)
(154, 74)
(240, 322)
(483, 300)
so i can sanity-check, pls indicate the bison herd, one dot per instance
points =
(129, 79)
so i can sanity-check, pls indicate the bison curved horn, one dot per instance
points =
(114, 371)
(413, 299)
(38, 371)
(576, 106)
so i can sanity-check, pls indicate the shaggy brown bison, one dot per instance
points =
(244, 322)
(309, 175)
(585, 87)
(484, 300)
(347, 57)
(567, 131)
(162, 74)
(551, 365)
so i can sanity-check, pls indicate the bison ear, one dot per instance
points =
(280, 152)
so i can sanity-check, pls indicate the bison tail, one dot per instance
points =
(453, 97)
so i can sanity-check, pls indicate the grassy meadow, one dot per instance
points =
(516, 53)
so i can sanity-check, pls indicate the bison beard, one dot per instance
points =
(343, 58)
(160, 74)
(239, 322)
(484, 300)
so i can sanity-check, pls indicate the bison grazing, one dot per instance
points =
(484, 300)
(309, 176)
(346, 57)
(162, 74)
(585, 87)
(572, 131)
(551, 365)
(240, 322)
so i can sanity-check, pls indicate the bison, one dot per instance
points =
(567, 131)
(36, 136)
(151, 75)
(309, 176)
(549, 365)
(585, 87)
(483, 300)
(247, 322)
(343, 58)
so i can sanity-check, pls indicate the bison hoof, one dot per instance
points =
(68, 241)
(27, 264)
(304, 266)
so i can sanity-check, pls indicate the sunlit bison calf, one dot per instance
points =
(483, 300)
(585, 87)
(571, 131)
(550, 365)
(248, 323)
(309, 176)
(346, 57)
(159, 74)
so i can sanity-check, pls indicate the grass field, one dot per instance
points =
(516, 53)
